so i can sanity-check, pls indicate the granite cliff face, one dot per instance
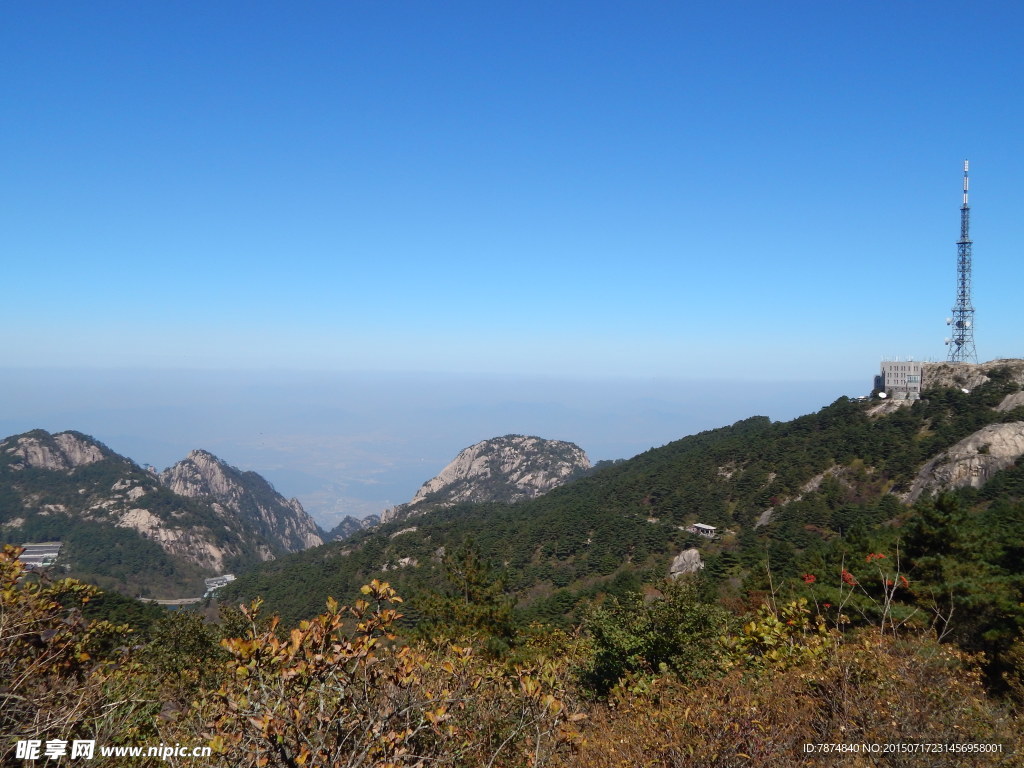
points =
(62, 451)
(972, 461)
(508, 469)
(687, 561)
(200, 517)
(969, 375)
(247, 495)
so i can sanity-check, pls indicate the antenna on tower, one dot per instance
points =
(965, 183)
(961, 344)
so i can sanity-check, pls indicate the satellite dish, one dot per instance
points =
(967, 324)
(882, 395)
(947, 341)
(949, 321)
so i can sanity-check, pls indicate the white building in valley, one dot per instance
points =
(707, 531)
(41, 555)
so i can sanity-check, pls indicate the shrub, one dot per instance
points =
(675, 632)
(339, 691)
(873, 690)
(62, 676)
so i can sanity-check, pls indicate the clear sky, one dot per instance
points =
(654, 188)
(711, 192)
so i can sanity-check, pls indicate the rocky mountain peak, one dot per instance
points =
(351, 525)
(202, 474)
(510, 468)
(198, 517)
(62, 451)
(247, 494)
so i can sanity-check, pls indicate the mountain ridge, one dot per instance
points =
(128, 530)
(201, 474)
(782, 487)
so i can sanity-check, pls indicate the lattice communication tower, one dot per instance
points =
(961, 344)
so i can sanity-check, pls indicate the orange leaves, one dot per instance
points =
(56, 667)
(381, 591)
(879, 691)
(436, 716)
(338, 692)
(297, 636)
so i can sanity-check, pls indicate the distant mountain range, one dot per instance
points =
(788, 489)
(158, 534)
(136, 531)
(561, 529)
(350, 526)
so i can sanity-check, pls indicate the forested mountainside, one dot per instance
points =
(797, 494)
(128, 529)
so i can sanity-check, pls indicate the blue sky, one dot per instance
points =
(574, 188)
(596, 191)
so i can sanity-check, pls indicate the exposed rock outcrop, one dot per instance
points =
(687, 561)
(62, 451)
(972, 461)
(968, 375)
(510, 468)
(201, 512)
(886, 407)
(247, 494)
(194, 544)
(1011, 401)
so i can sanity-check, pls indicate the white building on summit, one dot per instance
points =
(901, 379)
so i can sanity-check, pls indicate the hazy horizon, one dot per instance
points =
(357, 443)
